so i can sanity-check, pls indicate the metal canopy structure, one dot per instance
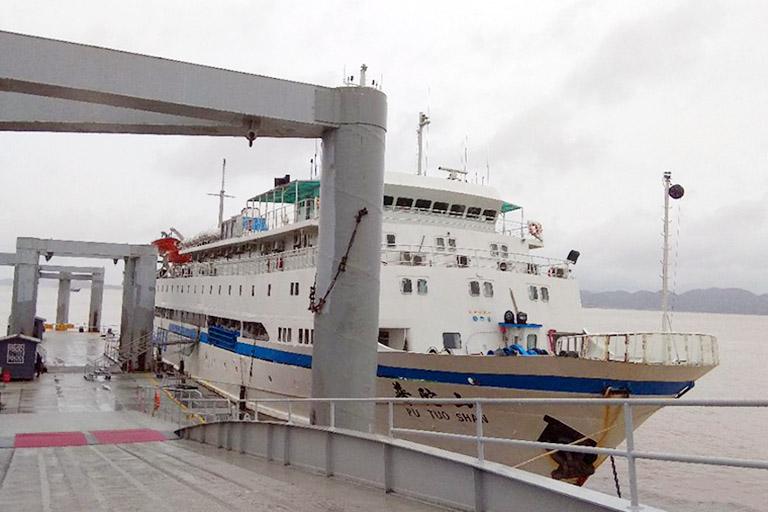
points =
(48, 85)
(138, 285)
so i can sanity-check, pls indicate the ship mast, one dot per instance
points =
(221, 194)
(675, 192)
(423, 121)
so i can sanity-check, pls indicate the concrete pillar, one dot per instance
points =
(24, 300)
(345, 357)
(138, 305)
(97, 299)
(62, 306)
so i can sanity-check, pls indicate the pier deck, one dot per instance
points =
(62, 449)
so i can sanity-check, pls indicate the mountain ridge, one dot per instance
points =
(702, 300)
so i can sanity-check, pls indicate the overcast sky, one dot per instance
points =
(576, 107)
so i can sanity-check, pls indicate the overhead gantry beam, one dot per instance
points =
(48, 85)
(66, 87)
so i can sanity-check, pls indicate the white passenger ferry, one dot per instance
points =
(467, 310)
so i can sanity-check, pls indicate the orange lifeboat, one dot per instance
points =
(169, 247)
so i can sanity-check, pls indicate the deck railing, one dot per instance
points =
(665, 348)
(463, 257)
(398, 254)
(216, 407)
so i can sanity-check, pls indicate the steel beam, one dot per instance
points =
(142, 94)
(72, 277)
(71, 269)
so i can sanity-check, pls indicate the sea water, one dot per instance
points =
(715, 432)
(720, 432)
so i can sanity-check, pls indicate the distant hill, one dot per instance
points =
(711, 300)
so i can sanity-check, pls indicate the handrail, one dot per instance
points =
(398, 254)
(627, 404)
(684, 349)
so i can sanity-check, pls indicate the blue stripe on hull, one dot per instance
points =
(551, 383)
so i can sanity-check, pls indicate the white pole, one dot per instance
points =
(666, 325)
(423, 121)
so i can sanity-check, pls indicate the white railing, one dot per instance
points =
(399, 254)
(277, 262)
(481, 440)
(462, 257)
(665, 348)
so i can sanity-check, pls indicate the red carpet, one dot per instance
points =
(44, 439)
(142, 435)
(54, 439)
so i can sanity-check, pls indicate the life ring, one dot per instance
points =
(535, 229)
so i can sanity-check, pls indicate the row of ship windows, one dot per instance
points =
(306, 336)
(425, 205)
(422, 288)
(192, 289)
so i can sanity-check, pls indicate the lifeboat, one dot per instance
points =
(169, 247)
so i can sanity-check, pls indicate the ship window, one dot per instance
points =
(451, 340)
(474, 288)
(489, 214)
(219, 289)
(312, 337)
(241, 289)
(255, 330)
(187, 288)
(182, 289)
(504, 251)
(439, 207)
(291, 288)
(530, 341)
(388, 200)
(452, 244)
(301, 336)
(229, 291)
(545, 294)
(297, 288)
(390, 239)
(195, 288)
(423, 204)
(290, 332)
(488, 289)
(253, 290)
(406, 285)
(269, 290)
(440, 243)
(494, 249)
(533, 293)
(421, 286)
(211, 292)
(473, 212)
(404, 202)
(457, 210)
(279, 334)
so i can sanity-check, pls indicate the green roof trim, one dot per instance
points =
(287, 193)
(509, 207)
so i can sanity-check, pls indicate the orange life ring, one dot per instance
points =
(535, 229)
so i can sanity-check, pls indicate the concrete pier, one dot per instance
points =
(62, 306)
(97, 300)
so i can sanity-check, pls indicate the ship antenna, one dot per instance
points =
(675, 192)
(423, 121)
(221, 194)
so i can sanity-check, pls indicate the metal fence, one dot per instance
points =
(481, 441)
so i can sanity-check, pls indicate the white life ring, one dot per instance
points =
(535, 229)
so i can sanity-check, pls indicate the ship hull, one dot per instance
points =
(285, 372)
